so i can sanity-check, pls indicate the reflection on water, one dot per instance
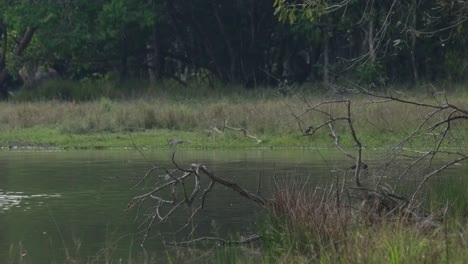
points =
(17, 199)
(54, 204)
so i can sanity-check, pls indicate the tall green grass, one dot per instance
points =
(310, 228)
(266, 113)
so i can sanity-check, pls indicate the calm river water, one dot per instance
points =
(55, 204)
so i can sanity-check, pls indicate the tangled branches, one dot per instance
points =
(190, 187)
(176, 181)
(437, 123)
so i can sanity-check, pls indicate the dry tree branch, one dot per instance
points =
(331, 119)
(232, 185)
(430, 175)
(312, 129)
(441, 113)
(244, 131)
(162, 208)
(243, 240)
(426, 120)
(337, 143)
(455, 113)
(163, 200)
(448, 120)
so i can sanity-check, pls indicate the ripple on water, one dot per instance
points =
(10, 200)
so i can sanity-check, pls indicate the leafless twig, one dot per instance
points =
(176, 183)
(244, 131)
(332, 119)
(243, 240)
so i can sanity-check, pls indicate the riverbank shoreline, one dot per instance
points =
(258, 122)
(53, 139)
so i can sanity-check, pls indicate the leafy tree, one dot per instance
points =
(246, 42)
(393, 39)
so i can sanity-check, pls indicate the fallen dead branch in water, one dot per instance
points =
(172, 192)
(242, 240)
(347, 204)
(175, 181)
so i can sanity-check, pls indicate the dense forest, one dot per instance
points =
(242, 42)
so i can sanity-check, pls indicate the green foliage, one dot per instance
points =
(371, 73)
(124, 19)
(377, 60)
(237, 43)
(308, 10)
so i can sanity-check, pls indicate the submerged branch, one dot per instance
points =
(243, 240)
(176, 184)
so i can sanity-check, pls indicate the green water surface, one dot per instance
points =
(59, 205)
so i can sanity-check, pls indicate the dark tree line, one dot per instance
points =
(246, 42)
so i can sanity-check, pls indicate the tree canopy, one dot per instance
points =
(246, 42)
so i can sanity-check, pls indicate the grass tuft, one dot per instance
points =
(309, 227)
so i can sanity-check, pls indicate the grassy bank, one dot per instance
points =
(310, 228)
(152, 122)
(306, 227)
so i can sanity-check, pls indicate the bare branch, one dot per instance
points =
(243, 240)
(331, 119)
(233, 186)
(243, 130)
(448, 120)
(161, 202)
(197, 172)
(430, 175)
(337, 143)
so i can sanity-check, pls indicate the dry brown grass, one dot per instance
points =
(271, 115)
(310, 227)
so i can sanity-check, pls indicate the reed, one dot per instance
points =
(309, 227)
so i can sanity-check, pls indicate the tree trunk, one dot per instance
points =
(413, 44)
(232, 55)
(370, 36)
(3, 70)
(20, 47)
(153, 59)
(24, 41)
(326, 41)
(123, 71)
(208, 47)
(252, 52)
(3, 37)
(279, 69)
